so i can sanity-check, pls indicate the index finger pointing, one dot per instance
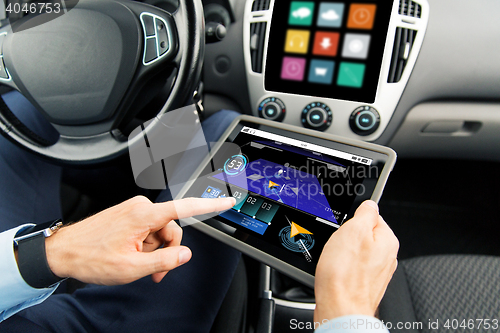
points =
(180, 209)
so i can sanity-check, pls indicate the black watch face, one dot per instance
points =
(327, 49)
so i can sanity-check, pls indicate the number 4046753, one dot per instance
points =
(33, 8)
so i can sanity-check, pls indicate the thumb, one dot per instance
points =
(367, 214)
(163, 259)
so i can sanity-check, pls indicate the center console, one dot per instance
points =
(334, 66)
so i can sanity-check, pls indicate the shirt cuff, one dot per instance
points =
(352, 324)
(15, 293)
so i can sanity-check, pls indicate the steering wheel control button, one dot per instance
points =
(149, 25)
(157, 36)
(162, 36)
(317, 116)
(364, 120)
(272, 108)
(150, 53)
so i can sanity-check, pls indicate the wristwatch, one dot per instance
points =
(31, 256)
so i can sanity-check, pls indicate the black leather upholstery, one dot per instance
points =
(442, 288)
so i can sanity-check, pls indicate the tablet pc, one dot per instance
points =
(294, 188)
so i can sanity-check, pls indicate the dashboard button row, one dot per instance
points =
(363, 121)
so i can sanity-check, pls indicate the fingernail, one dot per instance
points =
(184, 256)
(372, 204)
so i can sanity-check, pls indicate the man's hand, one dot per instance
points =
(355, 266)
(122, 244)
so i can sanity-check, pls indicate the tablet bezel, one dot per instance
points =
(258, 254)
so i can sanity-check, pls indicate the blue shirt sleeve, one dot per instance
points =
(15, 293)
(353, 324)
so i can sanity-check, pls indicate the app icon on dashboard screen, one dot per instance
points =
(361, 16)
(297, 41)
(330, 14)
(351, 75)
(356, 46)
(301, 13)
(326, 43)
(293, 68)
(321, 71)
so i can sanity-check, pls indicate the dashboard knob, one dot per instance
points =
(364, 120)
(317, 116)
(272, 108)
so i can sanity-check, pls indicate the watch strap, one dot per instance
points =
(48, 228)
(32, 262)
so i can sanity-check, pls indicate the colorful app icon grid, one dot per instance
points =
(329, 15)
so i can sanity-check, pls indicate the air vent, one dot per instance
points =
(409, 8)
(257, 39)
(260, 5)
(403, 44)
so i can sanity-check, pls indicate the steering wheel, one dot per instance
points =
(87, 71)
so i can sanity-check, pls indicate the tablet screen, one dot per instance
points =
(293, 191)
(331, 49)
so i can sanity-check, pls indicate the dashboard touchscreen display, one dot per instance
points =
(291, 194)
(330, 49)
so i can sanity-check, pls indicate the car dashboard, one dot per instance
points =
(432, 96)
